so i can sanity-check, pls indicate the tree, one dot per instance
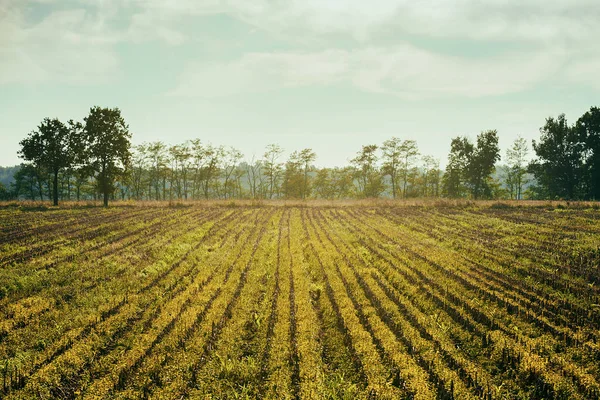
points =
(292, 177)
(323, 185)
(27, 182)
(108, 143)
(470, 167)
(231, 159)
(296, 182)
(306, 158)
(370, 182)
(481, 164)
(181, 163)
(588, 131)
(431, 176)
(138, 170)
(516, 158)
(458, 160)
(408, 156)
(212, 159)
(5, 194)
(272, 168)
(157, 155)
(254, 173)
(559, 167)
(49, 149)
(392, 153)
(342, 181)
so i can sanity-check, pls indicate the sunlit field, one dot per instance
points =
(423, 300)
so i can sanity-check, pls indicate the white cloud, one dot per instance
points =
(66, 47)
(77, 44)
(261, 72)
(404, 70)
(535, 20)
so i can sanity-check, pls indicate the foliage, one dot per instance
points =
(558, 168)
(80, 161)
(107, 147)
(50, 148)
(470, 166)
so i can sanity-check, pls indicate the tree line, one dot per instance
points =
(95, 159)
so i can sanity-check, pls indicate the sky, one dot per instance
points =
(331, 75)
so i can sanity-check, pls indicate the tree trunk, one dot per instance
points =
(55, 188)
(105, 197)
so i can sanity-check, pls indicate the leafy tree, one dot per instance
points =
(28, 182)
(370, 182)
(558, 168)
(470, 167)
(296, 182)
(408, 155)
(588, 130)
(254, 175)
(392, 160)
(323, 185)
(292, 177)
(272, 168)
(431, 176)
(516, 157)
(138, 171)
(231, 159)
(108, 143)
(157, 155)
(342, 181)
(5, 194)
(481, 164)
(461, 150)
(306, 158)
(399, 158)
(210, 170)
(49, 149)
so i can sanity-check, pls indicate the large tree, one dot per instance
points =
(470, 166)
(292, 177)
(392, 161)
(558, 168)
(368, 176)
(49, 148)
(482, 164)
(306, 157)
(588, 130)
(108, 143)
(453, 182)
(431, 176)
(230, 162)
(273, 168)
(399, 158)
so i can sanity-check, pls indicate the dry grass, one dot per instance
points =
(416, 202)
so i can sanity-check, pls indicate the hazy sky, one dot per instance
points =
(328, 74)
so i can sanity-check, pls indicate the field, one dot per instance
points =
(274, 301)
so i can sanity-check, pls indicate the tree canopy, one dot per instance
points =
(107, 146)
(94, 158)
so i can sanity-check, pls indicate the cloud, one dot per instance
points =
(358, 42)
(403, 70)
(146, 26)
(502, 20)
(69, 46)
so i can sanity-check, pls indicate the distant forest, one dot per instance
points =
(94, 159)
